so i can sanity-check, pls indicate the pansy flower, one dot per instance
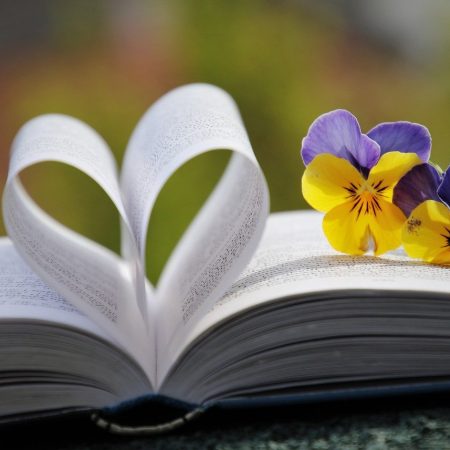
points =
(350, 176)
(423, 194)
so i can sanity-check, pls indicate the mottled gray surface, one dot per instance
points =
(423, 428)
(429, 430)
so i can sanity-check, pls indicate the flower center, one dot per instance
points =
(365, 197)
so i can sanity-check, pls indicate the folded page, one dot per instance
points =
(183, 124)
(52, 355)
(94, 279)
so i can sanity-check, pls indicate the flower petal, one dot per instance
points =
(346, 231)
(442, 258)
(325, 180)
(444, 189)
(403, 137)
(423, 234)
(350, 231)
(419, 184)
(390, 169)
(386, 227)
(338, 132)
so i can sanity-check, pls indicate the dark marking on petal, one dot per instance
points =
(413, 224)
(355, 204)
(376, 203)
(378, 184)
(373, 209)
(359, 211)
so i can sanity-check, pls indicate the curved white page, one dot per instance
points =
(94, 279)
(183, 124)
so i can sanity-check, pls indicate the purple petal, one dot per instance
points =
(419, 184)
(403, 137)
(338, 132)
(444, 188)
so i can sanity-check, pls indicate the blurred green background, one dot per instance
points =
(284, 62)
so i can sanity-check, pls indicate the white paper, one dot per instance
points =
(212, 253)
(294, 256)
(94, 279)
(295, 259)
(184, 123)
(24, 296)
(55, 137)
(181, 125)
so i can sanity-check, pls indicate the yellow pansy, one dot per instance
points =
(350, 176)
(426, 234)
(359, 211)
(423, 195)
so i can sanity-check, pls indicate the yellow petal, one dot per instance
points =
(424, 233)
(389, 169)
(346, 230)
(442, 258)
(325, 179)
(386, 227)
(349, 230)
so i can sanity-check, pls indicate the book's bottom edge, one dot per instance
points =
(350, 392)
(156, 414)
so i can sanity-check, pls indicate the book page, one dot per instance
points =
(94, 279)
(24, 296)
(295, 259)
(52, 351)
(294, 256)
(181, 125)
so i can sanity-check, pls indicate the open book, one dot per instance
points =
(249, 306)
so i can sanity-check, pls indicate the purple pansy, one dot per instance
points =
(338, 132)
(421, 183)
(444, 189)
(418, 185)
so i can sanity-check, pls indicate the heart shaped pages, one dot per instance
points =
(148, 322)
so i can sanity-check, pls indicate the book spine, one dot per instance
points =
(145, 430)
